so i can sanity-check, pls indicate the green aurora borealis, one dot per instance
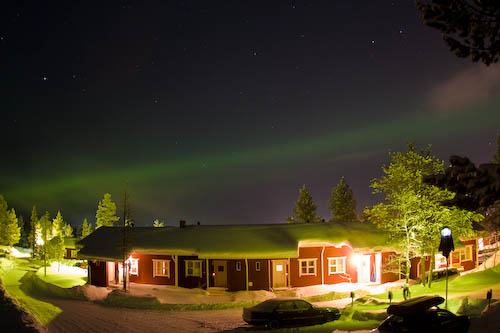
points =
(187, 177)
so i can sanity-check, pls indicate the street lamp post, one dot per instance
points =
(446, 246)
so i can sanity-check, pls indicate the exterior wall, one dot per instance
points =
(351, 272)
(98, 273)
(306, 280)
(236, 279)
(259, 279)
(68, 254)
(145, 270)
(192, 281)
(415, 269)
(470, 264)
(387, 276)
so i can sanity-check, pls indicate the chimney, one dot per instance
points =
(182, 224)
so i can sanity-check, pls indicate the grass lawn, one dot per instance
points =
(11, 273)
(60, 279)
(474, 285)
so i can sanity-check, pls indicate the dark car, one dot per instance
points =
(421, 314)
(279, 312)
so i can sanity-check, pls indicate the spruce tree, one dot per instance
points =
(46, 236)
(9, 228)
(67, 230)
(12, 229)
(4, 218)
(34, 231)
(57, 225)
(106, 210)
(305, 209)
(342, 203)
(86, 228)
(158, 224)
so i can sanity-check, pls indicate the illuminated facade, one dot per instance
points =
(238, 257)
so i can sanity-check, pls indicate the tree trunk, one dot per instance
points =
(496, 249)
(408, 267)
(431, 268)
(422, 270)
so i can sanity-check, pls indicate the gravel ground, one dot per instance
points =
(81, 316)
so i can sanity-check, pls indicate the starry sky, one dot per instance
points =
(218, 111)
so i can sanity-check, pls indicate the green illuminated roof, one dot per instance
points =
(259, 241)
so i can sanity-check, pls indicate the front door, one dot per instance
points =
(110, 268)
(279, 273)
(220, 270)
(364, 269)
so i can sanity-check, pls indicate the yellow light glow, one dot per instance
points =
(356, 259)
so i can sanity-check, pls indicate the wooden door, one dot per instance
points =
(220, 269)
(364, 269)
(280, 268)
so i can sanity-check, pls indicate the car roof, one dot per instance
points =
(271, 303)
(413, 305)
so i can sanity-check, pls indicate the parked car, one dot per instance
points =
(279, 312)
(421, 314)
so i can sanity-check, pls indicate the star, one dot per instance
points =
(254, 54)
(44, 78)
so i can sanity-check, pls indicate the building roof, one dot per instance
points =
(259, 241)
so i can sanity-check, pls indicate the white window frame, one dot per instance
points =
(134, 266)
(467, 253)
(308, 262)
(193, 262)
(333, 262)
(257, 266)
(165, 263)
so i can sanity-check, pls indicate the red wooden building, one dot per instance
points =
(239, 257)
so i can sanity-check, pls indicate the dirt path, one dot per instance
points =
(81, 316)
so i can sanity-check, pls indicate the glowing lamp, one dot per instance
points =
(213, 274)
(446, 245)
(356, 259)
(445, 232)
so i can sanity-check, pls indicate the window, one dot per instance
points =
(307, 266)
(257, 266)
(193, 268)
(134, 266)
(286, 306)
(336, 265)
(161, 268)
(466, 254)
(238, 266)
(302, 306)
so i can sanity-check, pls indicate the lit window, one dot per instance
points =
(134, 266)
(307, 266)
(336, 265)
(161, 268)
(238, 266)
(466, 254)
(279, 268)
(257, 266)
(193, 268)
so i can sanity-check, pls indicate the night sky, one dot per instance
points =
(218, 111)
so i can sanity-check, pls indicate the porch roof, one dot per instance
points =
(259, 241)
